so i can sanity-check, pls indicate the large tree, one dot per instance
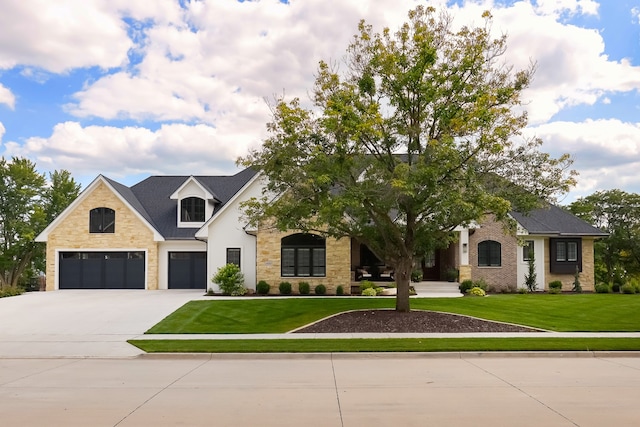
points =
(27, 204)
(416, 133)
(618, 213)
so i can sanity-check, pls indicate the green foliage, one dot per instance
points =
(577, 287)
(482, 284)
(262, 288)
(369, 292)
(476, 291)
(615, 287)
(628, 288)
(602, 288)
(304, 288)
(531, 278)
(340, 290)
(416, 275)
(27, 204)
(366, 284)
(451, 274)
(465, 286)
(555, 287)
(320, 289)
(284, 288)
(635, 283)
(11, 291)
(523, 290)
(617, 213)
(442, 98)
(230, 279)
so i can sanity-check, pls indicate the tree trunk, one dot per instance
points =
(403, 281)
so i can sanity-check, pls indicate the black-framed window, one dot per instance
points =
(303, 255)
(233, 256)
(489, 254)
(565, 255)
(102, 220)
(192, 209)
(528, 250)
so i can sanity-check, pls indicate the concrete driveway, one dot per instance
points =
(83, 323)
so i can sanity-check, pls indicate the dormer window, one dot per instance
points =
(102, 220)
(192, 209)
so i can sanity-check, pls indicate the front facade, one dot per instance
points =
(174, 232)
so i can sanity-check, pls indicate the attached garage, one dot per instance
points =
(187, 270)
(102, 270)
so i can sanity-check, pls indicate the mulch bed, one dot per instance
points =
(416, 321)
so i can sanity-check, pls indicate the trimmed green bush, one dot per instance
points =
(378, 290)
(482, 284)
(628, 288)
(262, 288)
(340, 290)
(284, 288)
(416, 275)
(555, 287)
(477, 292)
(230, 279)
(320, 289)
(11, 291)
(465, 286)
(369, 292)
(602, 288)
(366, 284)
(304, 288)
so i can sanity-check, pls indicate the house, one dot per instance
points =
(166, 232)
(174, 232)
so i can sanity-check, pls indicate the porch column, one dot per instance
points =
(463, 255)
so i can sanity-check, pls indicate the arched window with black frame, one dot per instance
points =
(489, 254)
(303, 255)
(192, 209)
(102, 220)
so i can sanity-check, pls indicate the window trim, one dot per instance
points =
(98, 218)
(191, 213)
(489, 254)
(305, 255)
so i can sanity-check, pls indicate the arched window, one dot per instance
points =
(192, 209)
(102, 220)
(303, 255)
(489, 254)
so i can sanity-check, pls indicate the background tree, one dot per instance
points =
(618, 213)
(419, 134)
(27, 204)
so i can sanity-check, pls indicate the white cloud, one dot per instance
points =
(7, 97)
(572, 7)
(2, 131)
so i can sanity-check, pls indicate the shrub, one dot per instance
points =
(477, 292)
(416, 275)
(210, 292)
(262, 288)
(320, 289)
(284, 288)
(628, 288)
(11, 291)
(602, 288)
(577, 287)
(635, 283)
(230, 279)
(366, 284)
(369, 292)
(465, 286)
(482, 284)
(555, 287)
(304, 288)
(378, 290)
(340, 290)
(523, 290)
(530, 278)
(615, 288)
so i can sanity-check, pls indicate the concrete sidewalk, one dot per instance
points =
(323, 391)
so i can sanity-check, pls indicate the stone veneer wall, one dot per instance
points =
(130, 233)
(338, 263)
(587, 276)
(505, 276)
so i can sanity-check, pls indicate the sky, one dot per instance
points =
(132, 88)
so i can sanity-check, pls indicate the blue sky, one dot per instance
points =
(129, 88)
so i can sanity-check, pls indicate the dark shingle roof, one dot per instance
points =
(151, 198)
(556, 221)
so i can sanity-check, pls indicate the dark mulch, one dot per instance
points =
(385, 321)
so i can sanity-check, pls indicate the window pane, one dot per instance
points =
(233, 256)
(304, 262)
(527, 250)
(288, 262)
(192, 209)
(109, 221)
(495, 254)
(319, 260)
(561, 251)
(572, 251)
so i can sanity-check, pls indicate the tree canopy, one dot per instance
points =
(28, 202)
(618, 213)
(416, 132)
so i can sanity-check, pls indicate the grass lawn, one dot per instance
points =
(565, 313)
(387, 345)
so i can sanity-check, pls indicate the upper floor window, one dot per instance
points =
(303, 255)
(527, 251)
(102, 220)
(192, 209)
(566, 255)
(489, 254)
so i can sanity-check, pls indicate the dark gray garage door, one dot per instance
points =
(187, 270)
(101, 270)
